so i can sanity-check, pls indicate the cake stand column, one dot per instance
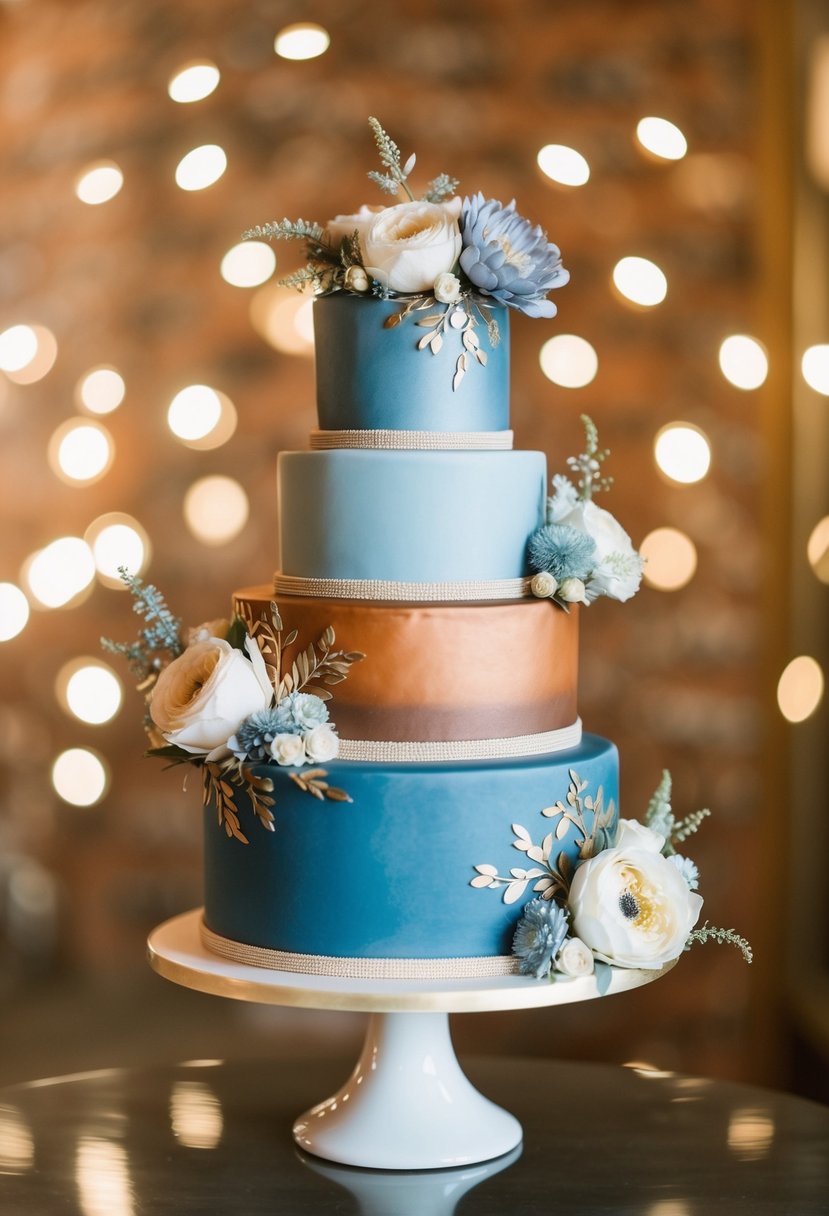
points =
(407, 1105)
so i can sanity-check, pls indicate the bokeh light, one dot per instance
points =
(89, 690)
(201, 417)
(568, 360)
(18, 348)
(101, 390)
(59, 573)
(743, 361)
(682, 452)
(815, 368)
(563, 165)
(99, 183)
(302, 41)
(194, 81)
(14, 611)
(41, 362)
(80, 776)
(661, 138)
(196, 1115)
(248, 264)
(800, 688)
(284, 319)
(201, 167)
(817, 549)
(81, 451)
(640, 281)
(117, 539)
(670, 559)
(216, 509)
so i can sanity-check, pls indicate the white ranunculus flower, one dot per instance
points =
(632, 907)
(321, 743)
(288, 750)
(574, 958)
(618, 569)
(543, 585)
(447, 288)
(203, 696)
(344, 226)
(407, 246)
(631, 834)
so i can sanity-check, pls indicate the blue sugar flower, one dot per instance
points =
(507, 258)
(687, 869)
(563, 551)
(253, 737)
(538, 936)
(300, 711)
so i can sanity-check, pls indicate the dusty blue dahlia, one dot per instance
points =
(507, 258)
(300, 711)
(253, 737)
(564, 551)
(539, 935)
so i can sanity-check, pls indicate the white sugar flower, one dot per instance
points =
(631, 834)
(288, 750)
(407, 246)
(574, 958)
(572, 591)
(321, 743)
(447, 288)
(544, 585)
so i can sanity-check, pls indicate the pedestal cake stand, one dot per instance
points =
(407, 1105)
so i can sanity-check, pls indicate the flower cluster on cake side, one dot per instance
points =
(219, 699)
(628, 900)
(460, 256)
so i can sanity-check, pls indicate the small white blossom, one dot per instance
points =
(572, 591)
(544, 585)
(447, 289)
(288, 750)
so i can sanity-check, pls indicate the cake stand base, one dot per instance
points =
(407, 1105)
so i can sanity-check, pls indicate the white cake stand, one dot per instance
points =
(407, 1105)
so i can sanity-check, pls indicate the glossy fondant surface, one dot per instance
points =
(409, 516)
(388, 875)
(439, 671)
(369, 376)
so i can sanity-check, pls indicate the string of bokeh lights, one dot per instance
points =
(216, 508)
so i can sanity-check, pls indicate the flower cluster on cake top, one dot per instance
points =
(218, 698)
(629, 899)
(581, 552)
(463, 256)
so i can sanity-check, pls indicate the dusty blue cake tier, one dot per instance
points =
(409, 516)
(388, 875)
(371, 377)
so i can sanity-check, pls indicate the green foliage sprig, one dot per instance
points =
(159, 641)
(396, 175)
(660, 818)
(711, 933)
(588, 463)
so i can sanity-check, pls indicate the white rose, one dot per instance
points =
(407, 246)
(572, 591)
(632, 908)
(288, 750)
(203, 696)
(344, 226)
(447, 288)
(356, 279)
(574, 958)
(618, 569)
(544, 585)
(631, 834)
(321, 743)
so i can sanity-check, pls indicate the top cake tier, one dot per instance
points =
(373, 376)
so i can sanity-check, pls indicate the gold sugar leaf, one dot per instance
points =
(393, 320)
(292, 637)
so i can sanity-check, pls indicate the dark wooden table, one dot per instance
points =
(212, 1137)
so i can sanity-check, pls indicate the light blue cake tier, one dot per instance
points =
(388, 875)
(372, 377)
(409, 516)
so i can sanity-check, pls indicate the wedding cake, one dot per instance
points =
(456, 821)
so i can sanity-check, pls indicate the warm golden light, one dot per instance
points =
(563, 165)
(14, 611)
(99, 183)
(196, 1115)
(81, 451)
(116, 540)
(17, 1145)
(815, 368)
(800, 688)
(682, 452)
(102, 1178)
(569, 361)
(284, 319)
(194, 81)
(640, 281)
(670, 559)
(744, 362)
(89, 690)
(101, 390)
(41, 362)
(80, 777)
(249, 264)
(750, 1133)
(18, 348)
(57, 574)
(302, 41)
(661, 138)
(201, 168)
(817, 549)
(216, 510)
(194, 412)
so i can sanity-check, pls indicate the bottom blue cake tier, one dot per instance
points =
(388, 876)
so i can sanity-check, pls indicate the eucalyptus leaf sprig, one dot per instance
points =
(588, 463)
